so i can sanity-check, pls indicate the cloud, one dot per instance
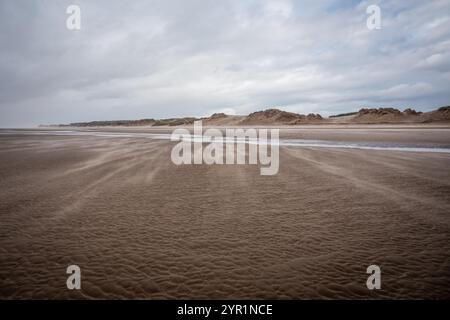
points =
(153, 59)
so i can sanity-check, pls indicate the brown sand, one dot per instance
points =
(141, 227)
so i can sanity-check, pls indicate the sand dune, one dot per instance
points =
(141, 227)
(276, 117)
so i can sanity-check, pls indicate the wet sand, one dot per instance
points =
(141, 227)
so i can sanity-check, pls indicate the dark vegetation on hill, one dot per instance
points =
(343, 114)
(141, 122)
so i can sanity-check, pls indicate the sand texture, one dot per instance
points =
(141, 227)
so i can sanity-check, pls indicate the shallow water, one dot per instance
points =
(363, 145)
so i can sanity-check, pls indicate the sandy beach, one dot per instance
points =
(141, 227)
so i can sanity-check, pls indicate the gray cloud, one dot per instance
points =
(175, 58)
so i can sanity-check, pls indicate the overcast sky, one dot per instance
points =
(155, 59)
